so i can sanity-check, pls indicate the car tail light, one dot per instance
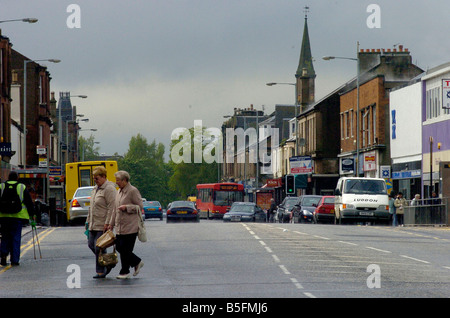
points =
(168, 212)
(194, 212)
(75, 204)
(159, 209)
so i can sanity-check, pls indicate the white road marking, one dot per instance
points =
(377, 249)
(415, 259)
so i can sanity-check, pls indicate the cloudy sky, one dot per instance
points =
(150, 66)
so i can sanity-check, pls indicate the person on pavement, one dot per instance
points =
(126, 224)
(11, 223)
(101, 210)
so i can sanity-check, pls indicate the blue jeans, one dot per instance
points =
(93, 236)
(394, 219)
(11, 229)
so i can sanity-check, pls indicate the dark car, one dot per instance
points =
(245, 212)
(325, 210)
(285, 209)
(152, 209)
(182, 211)
(304, 209)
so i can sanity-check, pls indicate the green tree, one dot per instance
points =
(145, 164)
(87, 148)
(187, 173)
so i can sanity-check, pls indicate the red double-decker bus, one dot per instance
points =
(213, 199)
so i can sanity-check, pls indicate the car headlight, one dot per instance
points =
(306, 212)
(348, 206)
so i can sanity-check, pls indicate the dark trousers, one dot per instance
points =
(125, 245)
(11, 229)
(93, 236)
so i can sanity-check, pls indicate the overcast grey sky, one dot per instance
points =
(150, 66)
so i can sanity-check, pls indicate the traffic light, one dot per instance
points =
(290, 184)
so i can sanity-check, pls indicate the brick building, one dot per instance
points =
(380, 71)
(38, 117)
(5, 103)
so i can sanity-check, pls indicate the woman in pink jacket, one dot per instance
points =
(125, 222)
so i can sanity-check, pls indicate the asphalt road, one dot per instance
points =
(212, 259)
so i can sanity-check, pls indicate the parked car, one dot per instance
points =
(285, 209)
(153, 209)
(79, 205)
(304, 209)
(325, 210)
(245, 212)
(182, 211)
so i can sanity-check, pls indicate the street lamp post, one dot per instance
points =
(327, 58)
(84, 144)
(295, 105)
(24, 144)
(29, 20)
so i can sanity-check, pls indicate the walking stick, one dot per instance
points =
(33, 227)
(39, 245)
(34, 246)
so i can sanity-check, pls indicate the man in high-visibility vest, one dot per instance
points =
(11, 223)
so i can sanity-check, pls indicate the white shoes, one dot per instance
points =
(124, 276)
(138, 268)
(136, 271)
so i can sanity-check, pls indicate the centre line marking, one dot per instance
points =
(321, 237)
(415, 259)
(276, 259)
(296, 283)
(284, 269)
(348, 243)
(377, 249)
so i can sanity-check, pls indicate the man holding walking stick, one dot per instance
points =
(16, 207)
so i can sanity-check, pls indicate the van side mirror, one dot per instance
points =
(337, 192)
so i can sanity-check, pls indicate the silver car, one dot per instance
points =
(79, 205)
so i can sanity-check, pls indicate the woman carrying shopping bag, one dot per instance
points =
(101, 211)
(126, 224)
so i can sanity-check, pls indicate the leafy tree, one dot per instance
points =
(187, 171)
(145, 164)
(87, 148)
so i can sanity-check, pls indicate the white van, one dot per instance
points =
(361, 199)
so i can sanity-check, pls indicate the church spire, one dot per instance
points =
(305, 53)
(305, 74)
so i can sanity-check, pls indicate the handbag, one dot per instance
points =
(142, 232)
(106, 240)
(108, 259)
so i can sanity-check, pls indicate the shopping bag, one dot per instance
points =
(142, 232)
(108, 259)
(106, 240)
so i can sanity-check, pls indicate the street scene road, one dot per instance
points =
(213, 259)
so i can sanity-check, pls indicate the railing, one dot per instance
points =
(426, 212)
